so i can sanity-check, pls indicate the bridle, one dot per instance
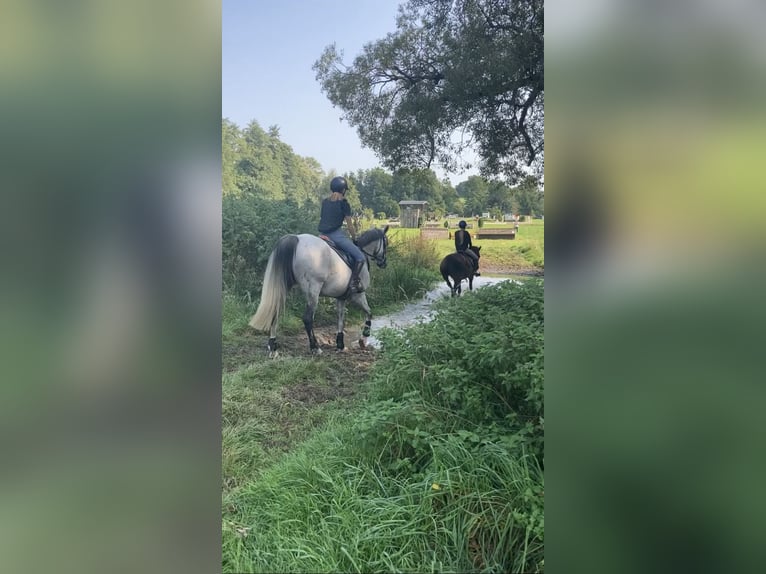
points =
(379, 254)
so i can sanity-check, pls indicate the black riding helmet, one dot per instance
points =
(462, 224)
(339, 185)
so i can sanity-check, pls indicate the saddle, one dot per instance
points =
(343, 255)
(471, 262)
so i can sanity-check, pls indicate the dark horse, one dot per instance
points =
(459, 266)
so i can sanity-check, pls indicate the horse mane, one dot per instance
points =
(369, 236)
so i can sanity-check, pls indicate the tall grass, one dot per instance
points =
(413, 269)
(319, 510)
(439, 471)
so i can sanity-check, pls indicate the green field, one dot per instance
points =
(525, 253)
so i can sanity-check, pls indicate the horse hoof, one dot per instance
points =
(273, 354)
(362, 344)
(316, 351)
(343, 350)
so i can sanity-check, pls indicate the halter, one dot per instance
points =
(379, 255)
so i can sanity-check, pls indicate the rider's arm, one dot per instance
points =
(351, 227)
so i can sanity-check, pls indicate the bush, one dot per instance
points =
(251, 227)
(478, 366)
(481, 222)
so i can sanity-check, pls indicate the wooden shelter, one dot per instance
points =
(411, 211)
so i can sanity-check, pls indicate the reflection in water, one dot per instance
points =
(422, 309)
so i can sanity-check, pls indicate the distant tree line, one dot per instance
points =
(258, 163)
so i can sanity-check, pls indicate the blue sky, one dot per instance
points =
(269, 47)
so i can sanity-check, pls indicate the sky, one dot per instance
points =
(269, 47)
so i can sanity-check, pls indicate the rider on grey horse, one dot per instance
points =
(334, 210)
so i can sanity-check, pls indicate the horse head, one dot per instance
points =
(374, 243)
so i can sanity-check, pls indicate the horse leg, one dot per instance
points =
(312, 298)
(360, 299)
(273, 353)
(470, 282)
(341, 304)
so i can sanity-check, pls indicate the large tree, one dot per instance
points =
(475, 192)
(456, 75)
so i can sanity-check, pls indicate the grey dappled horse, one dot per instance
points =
(320, 272)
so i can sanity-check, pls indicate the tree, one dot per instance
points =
(527, 197)
(257, 162)
(456, 74)
(499, 197)
(375, 190)
(475, 191)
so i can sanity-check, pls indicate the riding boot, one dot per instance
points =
(475, 261)
(354, 284)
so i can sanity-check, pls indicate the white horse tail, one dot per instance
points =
(277, 281)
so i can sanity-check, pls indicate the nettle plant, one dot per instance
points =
(475, 371)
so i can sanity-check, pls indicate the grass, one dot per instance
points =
(304, 492)
(318, 510)
(526, 252)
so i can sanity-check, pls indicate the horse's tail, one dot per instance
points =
(277, 281)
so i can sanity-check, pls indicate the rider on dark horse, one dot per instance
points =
(462, 244)
(334, 210)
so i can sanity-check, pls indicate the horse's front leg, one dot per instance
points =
(470, 283)
(361, 300)
(341, 305)
(308, 322)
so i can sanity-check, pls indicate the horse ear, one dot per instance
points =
(385, 229)
(478, 248)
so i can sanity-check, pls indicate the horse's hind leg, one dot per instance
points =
(273, 353)
(341, 304)
(312, 298)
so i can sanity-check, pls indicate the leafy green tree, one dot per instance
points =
(499, 197)
(375, 191)
(475, 191)
(231, 146)
(527, 198)
(452, 67)
(450, 198)
(257, 162)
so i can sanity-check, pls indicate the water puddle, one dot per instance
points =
(421, 310)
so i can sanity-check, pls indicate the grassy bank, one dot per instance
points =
(425, 457)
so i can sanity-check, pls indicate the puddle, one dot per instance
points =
(421, 310)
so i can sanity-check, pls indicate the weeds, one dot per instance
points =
(439, 469)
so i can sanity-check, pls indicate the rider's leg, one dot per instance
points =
(342, 241)
(475, 259)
